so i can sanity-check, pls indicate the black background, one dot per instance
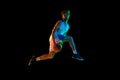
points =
(30, 27)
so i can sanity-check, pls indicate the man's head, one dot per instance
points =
(65, 14)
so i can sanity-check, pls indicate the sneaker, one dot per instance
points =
(32, 60)
(78, 57)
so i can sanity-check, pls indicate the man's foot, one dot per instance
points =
(32, 60)
(78, 57)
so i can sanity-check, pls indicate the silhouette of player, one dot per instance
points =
(57, 38)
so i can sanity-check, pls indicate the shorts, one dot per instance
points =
(61, 37)
(58, 41)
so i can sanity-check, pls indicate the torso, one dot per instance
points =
(63, 28)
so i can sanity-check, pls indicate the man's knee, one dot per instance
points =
(50, 56)
(69, 38)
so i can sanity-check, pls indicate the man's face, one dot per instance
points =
(65, 16)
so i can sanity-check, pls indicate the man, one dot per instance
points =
(57, 38)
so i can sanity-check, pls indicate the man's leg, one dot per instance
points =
(46, 56)
(71, 43)
(42, 57)
(73, 47)
(52, 50)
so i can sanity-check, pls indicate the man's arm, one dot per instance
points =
(54, 29)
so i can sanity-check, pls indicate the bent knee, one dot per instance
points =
(58, 50)
(50, 56)
(68, 38)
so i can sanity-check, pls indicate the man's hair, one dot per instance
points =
(65, 11)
